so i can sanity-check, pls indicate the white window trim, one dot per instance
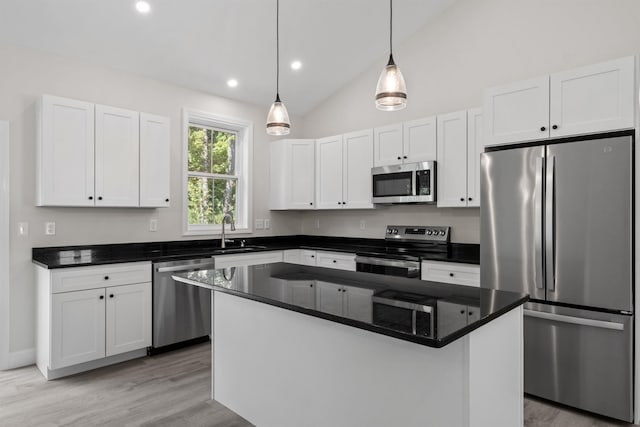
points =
(244, 130)
(4, 247)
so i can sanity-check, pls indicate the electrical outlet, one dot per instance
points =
(23, 229)
(259, 224)
(267, 223)
(317, 222)
(50, 228)
(363, 224)
(153, 224)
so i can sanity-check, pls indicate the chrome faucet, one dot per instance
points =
(223, 238)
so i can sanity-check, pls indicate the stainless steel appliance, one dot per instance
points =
(181, 313)
(408, 183)
(404, 311)
(394, 260)
(556, 222)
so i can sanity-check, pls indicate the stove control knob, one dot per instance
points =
(395, 231)
(389, 231)
(429, 232)
(442, 233)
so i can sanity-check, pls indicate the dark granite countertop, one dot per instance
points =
(78, 256)
(457, 310)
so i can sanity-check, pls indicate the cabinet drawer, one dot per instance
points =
(239, 260)
(451, 272)
(338, 261)
(300, 256)
(79, 278)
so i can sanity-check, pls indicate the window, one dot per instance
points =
(217, 169)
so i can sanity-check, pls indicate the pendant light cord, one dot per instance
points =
(278, 49)
(391, 27)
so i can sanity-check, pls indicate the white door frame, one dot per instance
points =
(4, 245)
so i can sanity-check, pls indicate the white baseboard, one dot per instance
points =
(18, 359)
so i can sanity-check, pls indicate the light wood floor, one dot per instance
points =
(167, 390)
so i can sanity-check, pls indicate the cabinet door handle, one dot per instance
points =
(310, 203)
(99, 197)
(471, 313)
(166, 200)
(335, 260)
(462, 199)
(543, 128)
(399, 158)
(404, 157)
(106, 277)
(90, 197)
(451, 274)
(554, 127)
(470, 199)
(313, 256)
(461, 311)
(311, 285)
(101, 296)
(110, 295)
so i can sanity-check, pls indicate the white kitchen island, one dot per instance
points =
(279, 361)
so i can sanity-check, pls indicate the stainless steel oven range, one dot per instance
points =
(404, 248)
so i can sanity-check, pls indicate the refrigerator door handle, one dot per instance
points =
(550, 223)
(574, 320)
(537, 232)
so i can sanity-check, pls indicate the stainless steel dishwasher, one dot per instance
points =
(181, 313)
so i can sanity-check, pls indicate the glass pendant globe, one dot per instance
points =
(391, 91)
(278, 119)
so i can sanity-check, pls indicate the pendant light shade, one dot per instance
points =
(278, 118)
(391, 91)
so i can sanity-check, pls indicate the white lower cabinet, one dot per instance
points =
(80, 329)
(346, 301)
(339, 261)
(77, 327)
(303, 293)
(451, 272)
(128, 318)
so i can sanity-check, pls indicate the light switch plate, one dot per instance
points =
(267, 223)
(23, 229)
(153, 224)
(259, 224)
(50, 228)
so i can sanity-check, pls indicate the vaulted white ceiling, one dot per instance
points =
(201, 44)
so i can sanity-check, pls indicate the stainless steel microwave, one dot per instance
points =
(408, 183)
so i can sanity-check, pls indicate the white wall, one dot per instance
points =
(24, 75)
(472, 45)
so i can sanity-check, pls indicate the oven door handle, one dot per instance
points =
(188, 267)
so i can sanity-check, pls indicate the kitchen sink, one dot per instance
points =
(238, 249)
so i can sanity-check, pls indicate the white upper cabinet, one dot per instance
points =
(387, 145)
(452, 159)
(329, 172)
(406, 142)
(117, 156)
(95, 155)
(292, 174)
(343, 171)
(475, 146)
(419, 140)
(357, 161)
(595, 98)
(592, 99)
(65, 152)
(155, 147)
(517, 112)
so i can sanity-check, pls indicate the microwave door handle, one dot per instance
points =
(537, 215)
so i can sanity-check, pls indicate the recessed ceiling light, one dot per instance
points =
(296, 65)
(143, 7)
(232, 83)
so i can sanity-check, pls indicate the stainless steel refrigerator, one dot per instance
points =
(556, 222)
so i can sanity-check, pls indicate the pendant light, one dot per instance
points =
(278, 118)
(391, 92)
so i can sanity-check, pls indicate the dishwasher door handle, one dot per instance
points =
(189, 267)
